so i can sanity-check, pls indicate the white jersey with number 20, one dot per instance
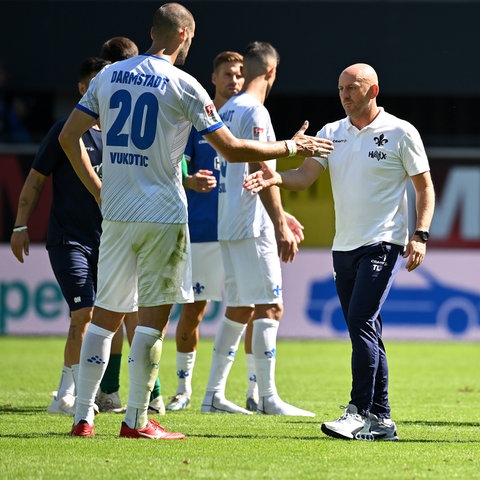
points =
(146, 108)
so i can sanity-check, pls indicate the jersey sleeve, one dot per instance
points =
(88, 103)
(199, 108)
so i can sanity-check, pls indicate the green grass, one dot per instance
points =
(434, 393)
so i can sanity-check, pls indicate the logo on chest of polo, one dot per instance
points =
(380, 141)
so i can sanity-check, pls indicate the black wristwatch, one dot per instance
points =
(423, 234)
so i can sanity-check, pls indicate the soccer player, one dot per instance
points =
(207, 265)
(376, 154)
(253, 232)
(201, 186)
(118, 48)
(73, 235)
(146, 107)
(107, 399)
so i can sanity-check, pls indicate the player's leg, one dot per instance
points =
(108, 396)
(264, 346)
(226, 340)
(163, 261)
(187, 337)
(207, 279)
(252, 386)
(72, 268)
(225, 348)
(260, 283)
(117, 294)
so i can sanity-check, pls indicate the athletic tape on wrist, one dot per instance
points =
(291, 147)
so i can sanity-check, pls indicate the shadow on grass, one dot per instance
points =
(27, 410)
(437, 423)
(321, 437)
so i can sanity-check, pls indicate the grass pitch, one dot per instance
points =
(434, 393)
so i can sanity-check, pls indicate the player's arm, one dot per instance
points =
(70, 139)
(425, 205)
(236, 150)
(271, 199)
(296, 179)
(20, 240)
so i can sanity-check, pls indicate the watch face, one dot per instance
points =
(423, 235)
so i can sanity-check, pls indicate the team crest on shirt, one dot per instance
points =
(257, 131)
(380, 141)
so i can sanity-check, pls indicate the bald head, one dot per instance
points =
(358, 90)
(172, 32)
(170, 18)
(362, 73)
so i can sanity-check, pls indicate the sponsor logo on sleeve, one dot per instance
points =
(257, 132)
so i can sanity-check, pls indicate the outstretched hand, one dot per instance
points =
(261, 179)
(308, 146)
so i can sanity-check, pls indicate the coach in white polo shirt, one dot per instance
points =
(375, 155)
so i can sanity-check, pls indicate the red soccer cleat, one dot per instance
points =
(153, 431)
(82, 429)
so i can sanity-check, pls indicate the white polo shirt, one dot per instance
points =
(369, 171)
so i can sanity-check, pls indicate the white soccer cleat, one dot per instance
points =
(214, 402)
(274, 405)
(62, 406)
(350, 426)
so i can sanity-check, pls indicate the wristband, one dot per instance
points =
(20, 228)
(291, 147)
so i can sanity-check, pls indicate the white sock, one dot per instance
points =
(143, 365)
(251, 377)
(225, 347)
(66, 385)
(75, 369)
(94, 357)
(264, 346)
(185, 365)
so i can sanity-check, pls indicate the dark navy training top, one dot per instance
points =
(74, 215)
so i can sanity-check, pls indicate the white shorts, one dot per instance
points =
(253, 274)
(151, 258)
(207, 271)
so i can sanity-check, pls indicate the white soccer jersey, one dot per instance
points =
(369, 170)
(241, 214)
(146, 108)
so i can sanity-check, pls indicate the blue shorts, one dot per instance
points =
(75, 268)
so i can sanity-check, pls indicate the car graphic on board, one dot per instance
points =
(432, 303)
